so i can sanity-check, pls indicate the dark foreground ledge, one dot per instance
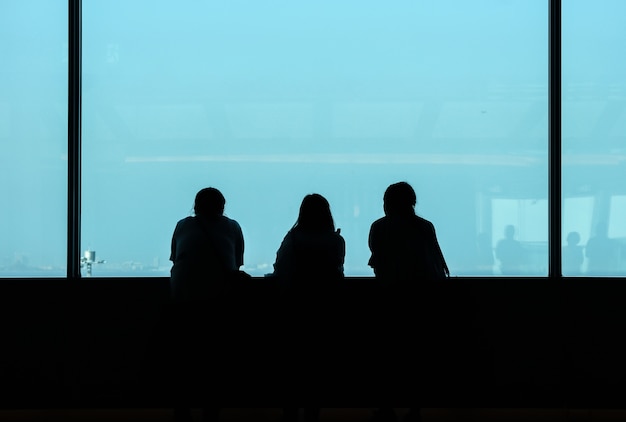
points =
(465, 343)
(374, 345)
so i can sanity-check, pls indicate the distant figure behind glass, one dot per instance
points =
(312, 253)
(404, 246)
(572, 255)
(601, 252)
(205, 249)
(510, 253)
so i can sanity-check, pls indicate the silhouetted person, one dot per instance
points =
(406, 258)
(309, 263)
(404, 246)
(206, 249)
(510, 253)
(601, 252)
(311, 255)
(573, 255)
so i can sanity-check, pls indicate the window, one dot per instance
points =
(526, 221)
(33, 135)
(594, 131)
(270, 101)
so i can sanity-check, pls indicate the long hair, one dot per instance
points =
(209, 202)
(400, 199)
(315, 215)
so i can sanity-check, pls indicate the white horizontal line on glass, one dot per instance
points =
(469, 159)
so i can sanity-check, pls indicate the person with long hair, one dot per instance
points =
(308, 263)
(312, 252)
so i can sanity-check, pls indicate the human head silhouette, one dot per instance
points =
(399, 199)
(315, 214)
(209, 202)
(573, 238)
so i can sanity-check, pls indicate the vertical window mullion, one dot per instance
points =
(74, 138)
(555, 271)
(554, 88)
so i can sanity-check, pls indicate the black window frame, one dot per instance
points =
(75, 141)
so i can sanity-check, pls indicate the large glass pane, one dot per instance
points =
(269, 101)
(33, 135)
(594, 137)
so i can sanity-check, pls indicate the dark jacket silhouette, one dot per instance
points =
(205, 249)
(511, 253)
(601, 252)
(405, 249)
(404, 246)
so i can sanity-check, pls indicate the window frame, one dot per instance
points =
(75, 141)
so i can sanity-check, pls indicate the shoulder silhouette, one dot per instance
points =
(206, 248)
(313, 251)
(404, 246)
(601, 252)
(573, 256)
(510, 253)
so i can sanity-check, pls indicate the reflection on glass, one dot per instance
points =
(338, 98)
(577, 218)
(594, 134)
(520, 236)
(33, 135)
